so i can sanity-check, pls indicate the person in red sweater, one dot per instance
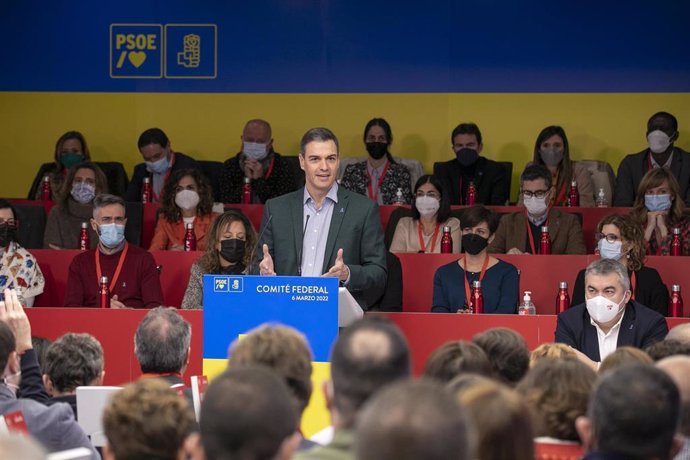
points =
(133, 278)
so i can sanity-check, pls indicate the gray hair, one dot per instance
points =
(74, 360)
(318, 135)
(162, 340)
(106, 199)
(603, 267)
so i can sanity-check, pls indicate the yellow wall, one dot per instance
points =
(208, 126)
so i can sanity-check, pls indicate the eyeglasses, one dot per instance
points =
(610, 237)
(9, 222)
(431, 194)
(537, 193)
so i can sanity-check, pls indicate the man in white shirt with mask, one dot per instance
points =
(609, 318)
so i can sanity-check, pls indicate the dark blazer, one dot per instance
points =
(640, 328)
(636, 165)
(182, 161)
(280, 182)
(355, 227)
(488, 176)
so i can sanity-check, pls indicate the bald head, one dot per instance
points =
(678, 368)
(257, 130)
(680, 333)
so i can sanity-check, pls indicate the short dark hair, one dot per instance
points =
(507, 352)
(635, 411)
(466, 128)
(667, 347)
(665, 115)
(162, 341)
(368, 355)
(246, 413)
(381, 123)
(74, 360)
(455, 358)
(5, 204)
(318, 135)
(536, 171)
(412, 420)
(7, 344)
(444, 205)
(475, 215)
(153, 136)
(169, 208)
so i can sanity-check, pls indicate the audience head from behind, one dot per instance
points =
(466, 142)
(155, 149)
(658, 196)
(624, 356)
(9, 359)
(430, 200)
(162, 342)
(70, 149)
(536, 190)
(680, 333)
(248, 413)
(148, 420)
(507, 352)
(231, 240)
(457, 358)
(82, 184)
(366, 356)
(620, 238)
(557, 392)
(41, 345)
(607, 291)
(73, 360)
(662, 132)
(186, 194)
(378, 137)
(633, 413)
(257, 140)
(109, 221)
(678, 368)
(410, 421)
(548, 351)
(667, 347)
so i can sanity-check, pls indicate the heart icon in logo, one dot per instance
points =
(137, 58)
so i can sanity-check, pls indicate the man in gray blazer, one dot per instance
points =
(323, 229)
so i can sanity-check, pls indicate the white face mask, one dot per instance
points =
(603, 310)
(254, 150)
(609, 250)
(535, 206)
(187, 199)
(426, 205)
(658, 141)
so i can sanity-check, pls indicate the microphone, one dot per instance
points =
(301, 249)
(252, 262)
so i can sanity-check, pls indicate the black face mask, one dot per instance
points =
(232, 250)
(473, 244)
(377, 149)
(7, 234)
(467, 157)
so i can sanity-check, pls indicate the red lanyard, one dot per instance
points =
(529, 230)
(422, 246)
(120, 262)
(270, 168)
(165, 179)
(632, 284)
(380, 182)
(481, 276)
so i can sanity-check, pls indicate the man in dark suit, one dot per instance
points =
(488, 176)
(609, 318)
(323, 229)
(662, 132)
(159, 162)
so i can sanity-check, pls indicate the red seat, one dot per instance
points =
(550, 451)
(174, 270)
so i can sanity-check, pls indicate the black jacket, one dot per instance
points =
(488, 176)
(182, 161)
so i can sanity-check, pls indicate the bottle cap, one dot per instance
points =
(84, 225)
(676, 230)
(104, 279)
(46, 178)
(147, 180)
(563, 285)
(545, 229)
(601, 191)
(247, 180)
(476, 284)
(675, 288)
(573, 183)
(446, 229)
(527, 297)
(189, 226)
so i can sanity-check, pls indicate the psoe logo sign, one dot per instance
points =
(228, 284)
(136, 51)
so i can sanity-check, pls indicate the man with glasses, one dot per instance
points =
(520, 232)
(132, 275)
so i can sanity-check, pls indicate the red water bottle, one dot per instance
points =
(189, 238)
(675, 242)
(84, 241)
(247, 191)
(574, 195)
(103, 292)
(476, 298)
(545, 242)
(675, 309)
(446, 241)
(562, 298)
(45, 189)
(471, 194)
(147, 191)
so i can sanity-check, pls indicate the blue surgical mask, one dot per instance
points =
(609, 250)
(657, 202)
(158, 167)
(255, 150)
(111, 235)
(83, 192)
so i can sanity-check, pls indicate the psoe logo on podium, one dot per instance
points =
(136, 51)
(191, 51)
(228, 284)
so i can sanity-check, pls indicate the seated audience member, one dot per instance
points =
(248, 413)
(520, 232)
(548, 351)
(379, 177)
(633, 413)
(430, 213)
(159, 162)
(551, 150)
(187, 199)
(662, 132)
(457, 358)
(146, 420)
(624, 356)
(678, 368)
(70, 149)
(488, 176)
(499, 279)
(667, 347)
(366, 356)
(286, 352)
(268, 171)
(15, 446)
(18, 268)
(54, 427)
(132, 275)
(609, 318)
(658, 209)
(72, 361)
(501, 422)
(74, 206)
(622, 240)
(557, 392)
(412, 421)
(229, 247)
(507, 352)
(680, 333)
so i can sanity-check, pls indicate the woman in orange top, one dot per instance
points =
(187, 198)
